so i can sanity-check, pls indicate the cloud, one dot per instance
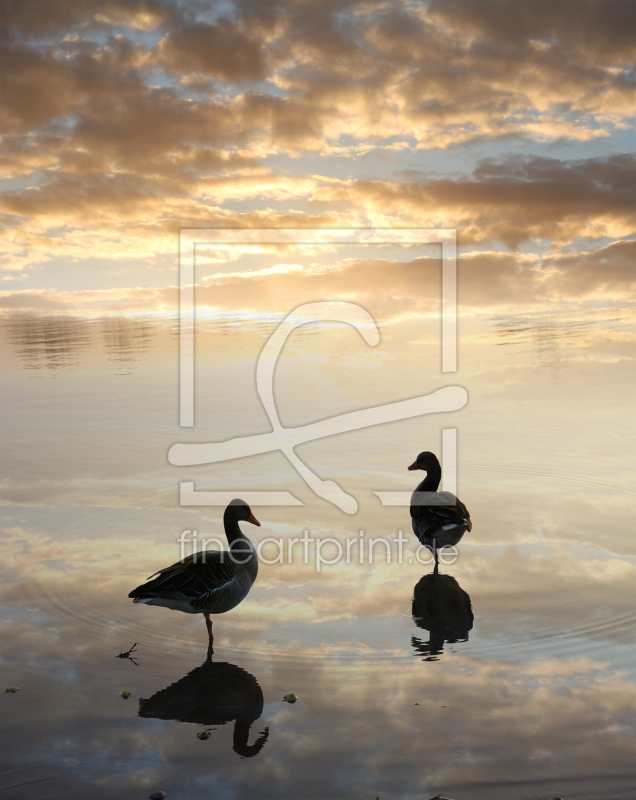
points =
(136, 225)
(221, 49)
(119, 141)
(597, 28)
(486, 280)
(127, 216)
(31, 18)
(490, 280)
(510, 200)
(603, 271)
(373, 73)
(90, 303)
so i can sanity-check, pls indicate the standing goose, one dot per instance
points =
(210, 581)
(440, 519)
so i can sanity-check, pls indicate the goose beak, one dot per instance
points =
(253, 520)
(414, 465)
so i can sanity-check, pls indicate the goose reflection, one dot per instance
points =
(213, 694)
(443, 608)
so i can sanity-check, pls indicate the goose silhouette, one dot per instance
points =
(213, 694)
(210, 581)
(439, 519)
(443, 608)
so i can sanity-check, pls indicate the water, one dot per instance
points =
(530, 699)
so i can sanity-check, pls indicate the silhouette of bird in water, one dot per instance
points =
(210, 581)
(443, 608)
(213, 694)
(439, 518)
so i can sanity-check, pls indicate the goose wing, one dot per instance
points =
(447, 510)
(197, 575)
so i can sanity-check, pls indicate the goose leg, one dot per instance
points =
(435, 556)
(208, 623)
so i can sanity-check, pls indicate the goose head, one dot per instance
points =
(241, 512)
(425, 461)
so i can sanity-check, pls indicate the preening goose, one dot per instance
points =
(210, 581)
(439, 518)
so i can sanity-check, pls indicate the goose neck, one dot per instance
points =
(232, 529)
(432, 480)
(240, 546)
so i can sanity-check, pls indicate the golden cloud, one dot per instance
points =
(221, 49)
(389, 289)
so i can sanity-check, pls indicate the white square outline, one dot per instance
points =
(190, 237)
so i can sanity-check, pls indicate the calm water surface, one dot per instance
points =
(510, 676)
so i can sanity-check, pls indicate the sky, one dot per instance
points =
(127, 120)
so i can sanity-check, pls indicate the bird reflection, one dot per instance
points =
(443, 608)
(213, 694)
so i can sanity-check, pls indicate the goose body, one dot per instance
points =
(210, 581)
(439, 518)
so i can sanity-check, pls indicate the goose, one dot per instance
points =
(210, 581)
(439, 519)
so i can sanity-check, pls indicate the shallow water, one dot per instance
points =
(531, 699)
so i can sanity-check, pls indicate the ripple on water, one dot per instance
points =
(46, 776)
(618, 627)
